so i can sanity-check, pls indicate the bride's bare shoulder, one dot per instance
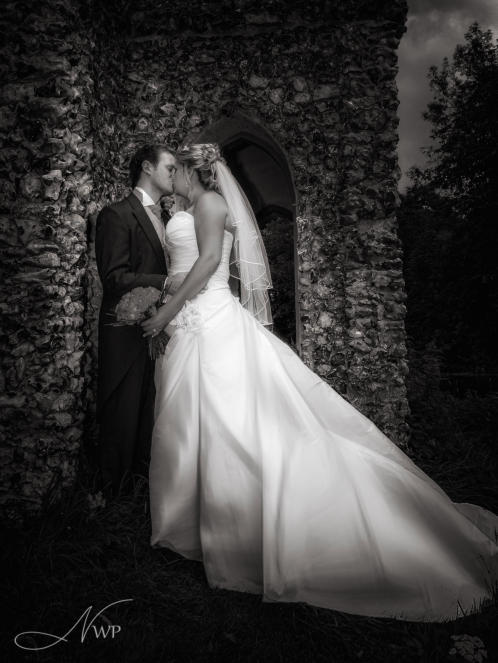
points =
(211, 202)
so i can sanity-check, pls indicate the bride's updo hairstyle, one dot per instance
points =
(202, 157)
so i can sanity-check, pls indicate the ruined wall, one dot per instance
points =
(321, 80)
(46, 184)
(98, 80)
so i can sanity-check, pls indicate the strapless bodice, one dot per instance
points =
(181, 245)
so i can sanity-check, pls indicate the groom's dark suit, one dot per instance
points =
(129, 254)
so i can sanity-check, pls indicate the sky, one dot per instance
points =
(434, 28)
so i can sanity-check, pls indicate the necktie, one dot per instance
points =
(156, 210)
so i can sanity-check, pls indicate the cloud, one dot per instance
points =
(479, 10)
(434, 28)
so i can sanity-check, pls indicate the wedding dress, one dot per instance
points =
(280, 487)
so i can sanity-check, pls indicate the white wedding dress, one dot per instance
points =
(280, 487)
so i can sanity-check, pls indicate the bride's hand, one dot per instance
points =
(153, 325)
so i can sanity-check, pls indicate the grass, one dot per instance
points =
(78, 555)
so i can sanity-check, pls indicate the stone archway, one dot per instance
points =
(323, 85)
(262, 169)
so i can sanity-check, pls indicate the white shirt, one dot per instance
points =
(157, 223)
(147, 200)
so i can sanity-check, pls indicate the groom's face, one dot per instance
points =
(162, 175)
(180, 183)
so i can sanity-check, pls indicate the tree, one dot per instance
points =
(464, 118)
(453, 203)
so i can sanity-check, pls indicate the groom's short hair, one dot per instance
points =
(148, 152)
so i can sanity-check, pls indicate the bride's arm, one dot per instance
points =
(209, 220)
(234, 279)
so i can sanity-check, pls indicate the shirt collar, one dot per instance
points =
(146, 199)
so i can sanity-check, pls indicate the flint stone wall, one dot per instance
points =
(97, 82)
(47, 193)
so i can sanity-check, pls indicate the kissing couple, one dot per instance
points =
(257, 467)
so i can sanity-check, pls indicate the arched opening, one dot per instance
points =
(262, 170)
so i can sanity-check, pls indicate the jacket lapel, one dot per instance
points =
(147, 226)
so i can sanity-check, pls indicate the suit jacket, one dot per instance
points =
(129, 254)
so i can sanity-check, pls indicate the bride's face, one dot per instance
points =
(182, 182)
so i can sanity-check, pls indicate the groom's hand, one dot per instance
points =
(152, 310)
(156, 323)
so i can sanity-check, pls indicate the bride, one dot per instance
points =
(261, 470)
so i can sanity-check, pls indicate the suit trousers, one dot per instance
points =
(126, 423)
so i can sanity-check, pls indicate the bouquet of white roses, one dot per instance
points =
(137, 305)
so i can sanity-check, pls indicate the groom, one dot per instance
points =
(129, 250)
